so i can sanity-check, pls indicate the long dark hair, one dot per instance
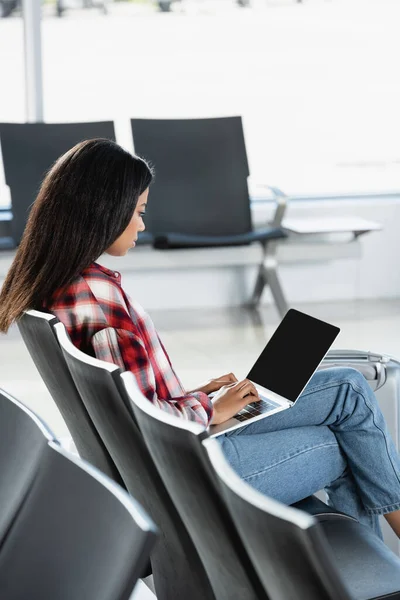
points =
(84, 204)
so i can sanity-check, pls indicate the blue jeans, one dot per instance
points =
(334, 438)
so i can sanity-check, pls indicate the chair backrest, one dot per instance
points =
(287, 547)
(36, 329)
(23, 439)
(201, 175)
(177, 569)
(175, 445)
(77, 535)
(30, 149)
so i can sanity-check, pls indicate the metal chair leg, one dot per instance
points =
(258, 288)
(276, 289)
(268, 275)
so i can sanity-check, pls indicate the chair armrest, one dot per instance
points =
(281, 200)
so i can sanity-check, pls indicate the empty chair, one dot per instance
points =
(36, 329)
(200, 196)
(299, 558)
(77, 536)
(30, 149)
(177, 569)
(23, 440)
(175, 445)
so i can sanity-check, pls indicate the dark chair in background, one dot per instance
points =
(364, 562)
(30, 149)
(6, 239)
(77, 535)
(177, 569)
(200, 195)
(36, 329)
(298, 557)
(23, 441)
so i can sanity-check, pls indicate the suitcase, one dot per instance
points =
(383, 375)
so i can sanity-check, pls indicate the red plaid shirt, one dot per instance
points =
(103, 322)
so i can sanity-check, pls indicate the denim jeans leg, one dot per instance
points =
(291, 464)
(342, 401)
(288, 465)
(343, 494)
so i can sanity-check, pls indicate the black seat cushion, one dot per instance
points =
(367, 566)
(321, 511)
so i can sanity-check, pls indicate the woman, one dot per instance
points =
(92, 201)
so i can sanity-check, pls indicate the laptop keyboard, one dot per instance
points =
(255, 408)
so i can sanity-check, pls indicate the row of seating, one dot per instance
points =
(202, 177)
(66, 530)
(197, 185)
(219, 538)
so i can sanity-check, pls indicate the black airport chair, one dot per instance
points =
(178, 572)
(36, 328)
(200, 196)
(77, 535)
(176, 447)
(296, 556)
(30, 149)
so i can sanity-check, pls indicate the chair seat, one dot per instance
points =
(367, 566)
(182, 240)
(321, 511)
(7, 243)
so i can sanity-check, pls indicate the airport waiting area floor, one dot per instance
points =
(206, 343)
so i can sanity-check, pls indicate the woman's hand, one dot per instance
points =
(213, 385)
(231, 399)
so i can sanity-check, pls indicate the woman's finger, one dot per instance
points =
(229, 378)
(242, 384)
(228, 385)
(248, 388)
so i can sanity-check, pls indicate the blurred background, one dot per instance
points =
(315, 81)
(316, 84)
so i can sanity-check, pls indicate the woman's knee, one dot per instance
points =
(339, 375)
(354, 378)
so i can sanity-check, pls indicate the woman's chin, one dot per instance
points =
(117, 252)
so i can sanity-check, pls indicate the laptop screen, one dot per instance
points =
(293, 354)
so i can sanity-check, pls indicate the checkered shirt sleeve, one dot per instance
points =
(102, 320)
(128, 351)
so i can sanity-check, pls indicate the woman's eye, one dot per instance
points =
(142, 214)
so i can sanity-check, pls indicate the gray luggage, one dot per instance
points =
(383, 375)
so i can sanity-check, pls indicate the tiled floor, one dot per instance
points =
(142, 592)
(207, 343)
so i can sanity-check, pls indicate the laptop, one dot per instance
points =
(284, 368)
